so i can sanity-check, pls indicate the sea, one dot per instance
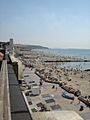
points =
(80, 53)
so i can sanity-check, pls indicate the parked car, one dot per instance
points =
(67, 95)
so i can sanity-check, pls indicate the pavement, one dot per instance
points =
(56, 94)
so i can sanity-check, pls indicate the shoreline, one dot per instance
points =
(79, 78)
(73, 77)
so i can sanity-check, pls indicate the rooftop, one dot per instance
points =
(57, 115)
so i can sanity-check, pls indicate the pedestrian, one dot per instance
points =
(81, 108)
(53, 87)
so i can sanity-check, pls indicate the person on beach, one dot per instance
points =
(53, 87)
(72, 101)
(78, 102)
(81, 108)
(41, 82)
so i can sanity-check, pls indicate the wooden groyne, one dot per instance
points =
(67, 61)
(66, 88)
(84, 100)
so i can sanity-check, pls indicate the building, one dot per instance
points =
(13, 105)
(12, 102)
(57, 115)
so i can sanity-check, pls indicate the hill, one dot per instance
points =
(29, 47)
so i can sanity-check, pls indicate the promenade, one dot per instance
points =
(4, 93)
(47, 93)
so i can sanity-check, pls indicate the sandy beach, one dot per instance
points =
(79, 79)
(49, 74)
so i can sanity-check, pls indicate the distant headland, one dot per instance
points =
(29, 47)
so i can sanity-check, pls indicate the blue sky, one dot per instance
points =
(51, 23)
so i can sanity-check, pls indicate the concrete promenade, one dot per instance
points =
(4, 93)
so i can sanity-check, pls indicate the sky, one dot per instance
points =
(50, 23)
